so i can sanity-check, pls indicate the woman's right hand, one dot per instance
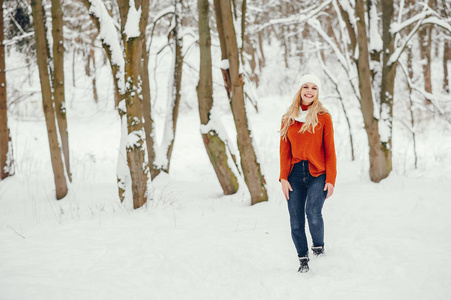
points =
(286, 188)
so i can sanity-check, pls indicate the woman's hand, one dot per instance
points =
(286, 188)
(329, 188)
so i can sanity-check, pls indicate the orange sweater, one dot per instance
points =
(318, 148)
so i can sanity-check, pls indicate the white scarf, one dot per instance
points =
(301, 115)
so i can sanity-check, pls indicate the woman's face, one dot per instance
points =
(309, 92)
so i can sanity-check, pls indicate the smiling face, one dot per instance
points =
(309, 92)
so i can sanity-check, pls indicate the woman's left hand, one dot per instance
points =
(329, 188)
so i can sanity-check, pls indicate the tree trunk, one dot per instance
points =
(147, 113)
(175, 82)
(215, 146)
(261, 56)
(49, 113)
(387, 84)
(6, 157)
(446, 59)
(139, 168)
(409, 75)
(379, 166)
(92, 57)
(409, 78)
(322, 59)
(425, 36)
(133, 133)
(249, 163)
(175, 88)
(58, 80)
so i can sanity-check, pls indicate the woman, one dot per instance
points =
(307, 165)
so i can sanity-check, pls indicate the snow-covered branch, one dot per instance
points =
(301, 17)
(109, 36)
(398, 51)
(445, 24)
(350, 11)
(397, 27)
(430, 97)
(17, 38)
(421, 21)
(315, 24)
(167, 11)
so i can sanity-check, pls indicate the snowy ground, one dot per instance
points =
(383, 241)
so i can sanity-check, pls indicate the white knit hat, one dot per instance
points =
(310, 78)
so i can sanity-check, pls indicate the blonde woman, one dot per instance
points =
(307, 166)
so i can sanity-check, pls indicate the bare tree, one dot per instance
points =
(249, 163)
(216, 147)
(58, 80)
(127, 68)
(133, 39)
(446, 59)
(6, 154)
(47, 103)
(162, 164)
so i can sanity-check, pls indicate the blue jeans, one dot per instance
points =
(307, 197)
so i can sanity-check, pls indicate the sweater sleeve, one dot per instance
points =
(329, 151)
(285, 158)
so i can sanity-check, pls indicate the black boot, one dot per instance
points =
(318, 250)
(303, 268)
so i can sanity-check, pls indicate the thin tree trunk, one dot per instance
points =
(49, 113)
(215, 146)
(379, 169)
(174, 88)
(147, 113)
(261, 57)
(409, 78)
(73, 67)
(92, 55)
(285, 47)
(249, 162)
(6, 157)
(322, 58)
(243, 27)
(58, 81)
(446, 59)
(412, 118)
(425, 36)
(177, 79)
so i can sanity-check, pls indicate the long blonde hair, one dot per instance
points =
(311, 119)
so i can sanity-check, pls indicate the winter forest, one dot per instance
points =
(139, 148)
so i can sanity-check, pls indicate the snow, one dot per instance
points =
(376, 43)
(225, 65)
(135, 138)
(9, 165)
(387, 240)
(131, 28)
(383, 241)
